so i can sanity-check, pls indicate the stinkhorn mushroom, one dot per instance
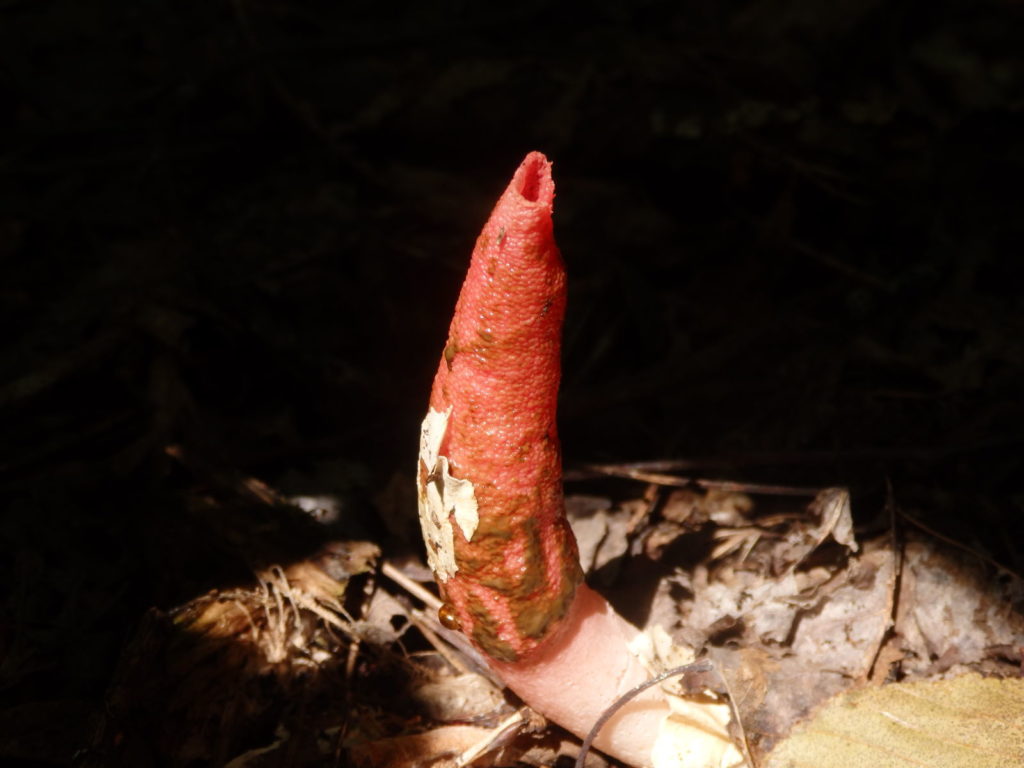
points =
(491, 506)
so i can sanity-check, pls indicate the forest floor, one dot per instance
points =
(232, 234)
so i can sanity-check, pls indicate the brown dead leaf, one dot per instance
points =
(830, 515)
(787, 639)
(437, 748)
(464, 697)
(601, 531)
(954, 610)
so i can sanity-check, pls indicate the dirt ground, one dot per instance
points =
(232, 233)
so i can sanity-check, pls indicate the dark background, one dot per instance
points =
(792, 229)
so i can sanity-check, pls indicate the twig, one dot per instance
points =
(648, 472)
(439, 645)
(514, 721)
(415, 589)
(959, 545)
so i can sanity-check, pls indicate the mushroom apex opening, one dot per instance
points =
(533, 179)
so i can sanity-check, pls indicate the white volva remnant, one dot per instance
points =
(440, 495)
(692, 735)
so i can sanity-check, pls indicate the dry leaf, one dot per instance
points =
(420, 749)
(450, 698)
(967, 722)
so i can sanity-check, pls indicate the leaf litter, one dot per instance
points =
(342, 653)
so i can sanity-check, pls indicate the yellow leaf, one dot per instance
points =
(966, 722)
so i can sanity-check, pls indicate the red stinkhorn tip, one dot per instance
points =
(533, 180)
(490, 465)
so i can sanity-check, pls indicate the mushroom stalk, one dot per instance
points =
(492, 512)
